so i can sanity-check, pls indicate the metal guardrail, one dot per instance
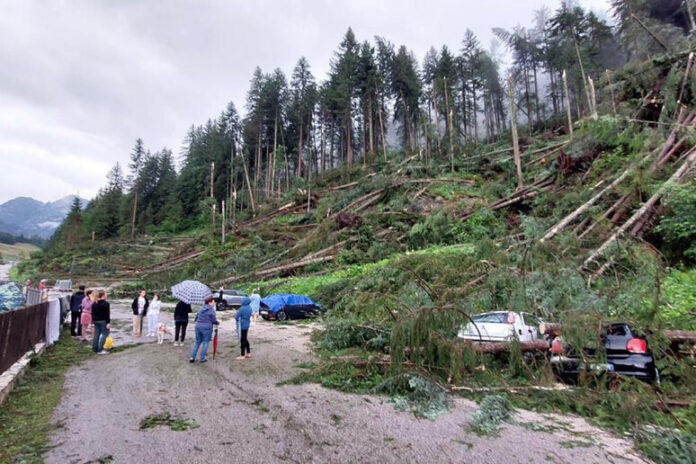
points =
(34, 296)
(20, 330)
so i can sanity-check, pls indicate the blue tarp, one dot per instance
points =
(11, 297)
(278, 301)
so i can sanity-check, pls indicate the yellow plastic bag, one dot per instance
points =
(109, 343)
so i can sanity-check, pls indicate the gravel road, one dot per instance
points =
(244, 416)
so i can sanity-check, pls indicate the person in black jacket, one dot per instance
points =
(181, 319)
(101, 318)
(76, 311)
(139, 307)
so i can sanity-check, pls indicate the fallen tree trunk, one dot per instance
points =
(583, 208)
(681, 336)
(551, 329)
(275, 270)
(675, 178)
(674, 336)
(557, 387)
(504, 347)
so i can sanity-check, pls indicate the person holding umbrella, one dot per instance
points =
(205, 320)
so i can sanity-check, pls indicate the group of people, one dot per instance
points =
(206, 319)
(90, 312)
(142, 307)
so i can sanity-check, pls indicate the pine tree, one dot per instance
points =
(136, 162)
(304, 95)
(344, 68)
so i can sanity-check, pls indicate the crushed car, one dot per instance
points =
(627, 353)
(501, 326)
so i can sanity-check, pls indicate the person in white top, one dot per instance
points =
(153, 315)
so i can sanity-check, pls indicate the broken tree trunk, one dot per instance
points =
(689, 64)
(275, 270)
(515, 140)
(503, 347)
(583, 208)
(681, 336)
(567, 104)
(686, 166)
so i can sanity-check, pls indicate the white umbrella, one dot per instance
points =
(191, 292)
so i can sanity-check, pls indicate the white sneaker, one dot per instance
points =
(176, 343)
(103, 352)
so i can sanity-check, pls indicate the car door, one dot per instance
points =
(530, 328)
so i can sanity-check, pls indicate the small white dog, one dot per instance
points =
(161, 330)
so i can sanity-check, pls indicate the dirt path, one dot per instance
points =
(245, 416)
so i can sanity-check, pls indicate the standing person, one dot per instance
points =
(101, 318)
(153, 315)
(86, 317)
(75, 310)
(181, 319)
(139, 307)
(243, 318)
(205, 320)
(255, 305)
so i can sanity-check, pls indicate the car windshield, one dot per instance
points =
(497, 318)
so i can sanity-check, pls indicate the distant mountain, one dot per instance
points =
(29, 217)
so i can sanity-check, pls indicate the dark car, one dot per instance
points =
(282, 306)
(230, 299)
(627, 353)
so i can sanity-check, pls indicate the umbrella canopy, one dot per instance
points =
(191, 292)
(11, 297)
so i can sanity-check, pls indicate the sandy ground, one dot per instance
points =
(244, 416)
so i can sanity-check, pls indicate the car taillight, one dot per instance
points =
(511, 318)
(557, 346)
(637, 345)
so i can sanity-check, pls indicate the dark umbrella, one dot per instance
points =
(215, 342)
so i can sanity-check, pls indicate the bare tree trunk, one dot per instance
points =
(593, 98)
(370, 125)
(611, 89)
(515, 141)
(475, 118)
(349, 142)
(449, 125)
(690, 14)
(257, 173)
(582, 73)
(381, 129)
(536, 94)
(251, 194)
(554, 103)
(323, 149)
(300, 152)
(567, 103)
(135, 206)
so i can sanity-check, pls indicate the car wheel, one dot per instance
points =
(281, 316)
(221, 306)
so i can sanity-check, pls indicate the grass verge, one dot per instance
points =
(25, 418)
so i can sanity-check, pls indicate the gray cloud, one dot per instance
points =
(81, 80)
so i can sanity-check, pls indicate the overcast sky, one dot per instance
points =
(81, 80)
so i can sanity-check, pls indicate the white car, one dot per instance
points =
(501, 326)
